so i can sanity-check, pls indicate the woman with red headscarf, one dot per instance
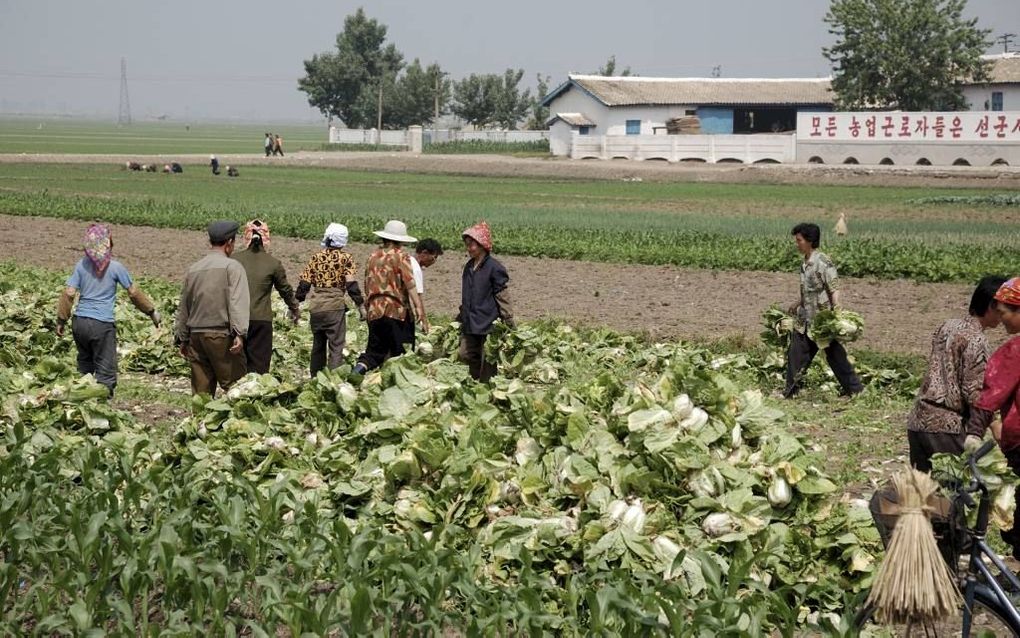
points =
(1001, 391)
(95, 279)
(484, 299)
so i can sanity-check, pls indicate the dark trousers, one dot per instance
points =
(923, 445)
(329, 333)
(212, 363)
(472, 352)
(258, 346)
(269, 151)
(803, 350)
(97, 349)
(386, 338)
(1012, 536)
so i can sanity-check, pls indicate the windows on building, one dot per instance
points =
(997, 100)
(633, 127)
(583, 130)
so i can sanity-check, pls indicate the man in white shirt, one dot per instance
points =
(426, 253)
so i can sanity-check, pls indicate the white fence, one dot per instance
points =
(401, 138)
(370, 136)
(678, 148)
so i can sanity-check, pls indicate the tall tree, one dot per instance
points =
(474, 99)
(337, 83)
(609, 68)
(419, 96)
(539, 114)
(511, 104)
(906, 54)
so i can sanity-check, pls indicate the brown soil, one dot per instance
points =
(503, 166)
(665, 302)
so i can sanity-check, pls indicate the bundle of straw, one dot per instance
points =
(914, 583)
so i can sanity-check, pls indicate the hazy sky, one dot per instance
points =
(241, 58)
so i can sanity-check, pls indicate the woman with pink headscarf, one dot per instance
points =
(95, 280)
(484, 299)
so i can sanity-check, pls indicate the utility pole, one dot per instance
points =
(124, 112)
(379, 111)
(439, 79)
(1006, 39)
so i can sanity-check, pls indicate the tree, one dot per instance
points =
(905, 54)
(419, 96)
(539, 113)
(345, 83)
(487, 99)
(609, 68)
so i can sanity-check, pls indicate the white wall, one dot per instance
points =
(559, 138)
(976, 96)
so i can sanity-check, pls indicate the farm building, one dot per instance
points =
(599, 105)
(1002, 91)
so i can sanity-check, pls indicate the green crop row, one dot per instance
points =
(475, 147)
(893, 257)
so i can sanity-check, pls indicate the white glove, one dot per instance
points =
(972, 443)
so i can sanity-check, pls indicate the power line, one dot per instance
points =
(1006, 39)
(70, 75)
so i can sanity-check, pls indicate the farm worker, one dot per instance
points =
(952, 384)
(484, 298)
(1000, 392)
(264, 273)
(390, 294)
(278, 146)
(269, 144)
(215, 164)
(232, 171)
(95, 278)
(328, 274)
(212, 318)
(426, 252)
(818, 289)
(841, 228)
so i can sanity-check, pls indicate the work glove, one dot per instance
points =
(60, 328)
(362, 313)
(971, 443)
(295, 314)
(157, 319)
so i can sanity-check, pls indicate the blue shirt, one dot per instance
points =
(98, 293)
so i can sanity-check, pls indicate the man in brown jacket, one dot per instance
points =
(212, 318)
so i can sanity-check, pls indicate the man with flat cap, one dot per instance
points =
(212, 319)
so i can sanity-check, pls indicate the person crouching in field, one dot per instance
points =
(328, 275)
(212, 317)
(264, 273)
(95, 278)
(953, 381)
(818, 290)
(484, 298)
(390, 295)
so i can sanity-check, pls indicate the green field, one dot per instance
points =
(41, 135)
(727, 226)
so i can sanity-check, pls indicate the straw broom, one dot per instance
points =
(914, 584)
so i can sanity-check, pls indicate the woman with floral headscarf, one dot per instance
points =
(1001, 392)
(265, 272)
(95, 278)
(484, 299)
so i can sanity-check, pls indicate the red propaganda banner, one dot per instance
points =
(966, 126)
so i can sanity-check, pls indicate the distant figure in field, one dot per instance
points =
(232, 172)
(841, 228)
(269, 144)
(133, 166)
(278, 146)
(215, 164)
(149, 168)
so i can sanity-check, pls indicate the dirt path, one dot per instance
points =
(666, 302)
(1000, 177)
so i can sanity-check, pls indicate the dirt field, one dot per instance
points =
(665, 302)
(502, 166)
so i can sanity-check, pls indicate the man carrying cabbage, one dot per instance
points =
(818, 293)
